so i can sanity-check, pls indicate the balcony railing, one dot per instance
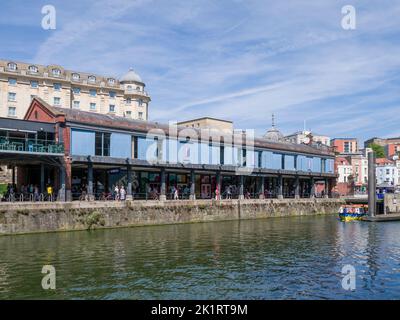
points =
(30, 145)
(135, 91)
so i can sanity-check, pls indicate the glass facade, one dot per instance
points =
(121, 145)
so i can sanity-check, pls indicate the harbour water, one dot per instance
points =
(276, 258)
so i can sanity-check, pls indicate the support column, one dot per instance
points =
(297, 188)
(61, 190)
(241, 188)
(68, 178)
(261, 188)
(163, 196)
(42, 178)
(13, 176)
(280, 187)
(312, 188)
(371, 184)
(218, 182)
(326, 192)
(90, 182)
(192, 185)
(129, 183)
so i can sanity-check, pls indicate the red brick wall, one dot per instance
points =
(344, 188)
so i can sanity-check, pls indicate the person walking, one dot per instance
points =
(49, 192)
(122, 193)
(176, 194)
(228, 192)
(116, 192)
(217, 195)
(36, 193)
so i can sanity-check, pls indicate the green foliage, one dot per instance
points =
(379, 150)
(3, 187)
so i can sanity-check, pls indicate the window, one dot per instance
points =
(129, 87)
(33, 69)
(12, 96)
(34, 84)
(12, 111)
(111, 81)
(102, 144)
(128, 100)
(347, 146)
(140, 102)
(76, 104)
(128, 114)
(12, 66)
(92, 92)
(75, 77)
(138, 88)
(57, 101)
(92, 79)
(112, 94)
(141, 115)
(92, 106)
(56, 72)
(76, 90)
(57, 86)
(112, 108)
(12, 81)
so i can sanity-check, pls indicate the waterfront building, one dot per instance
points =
(345, 145)
(81, 152)
(307, 137)
(352, 171)
(344, 170)
(391, 145)
(387, 173)
(20, 82)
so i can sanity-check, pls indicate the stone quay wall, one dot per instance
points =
(20, 218)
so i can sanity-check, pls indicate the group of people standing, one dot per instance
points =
(119, 193)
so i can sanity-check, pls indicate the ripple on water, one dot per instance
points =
(283, 258)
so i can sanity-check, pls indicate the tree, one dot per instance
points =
(379, 150)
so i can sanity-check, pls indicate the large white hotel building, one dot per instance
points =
(21, 82)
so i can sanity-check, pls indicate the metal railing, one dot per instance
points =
(30, 145)
(28, 197)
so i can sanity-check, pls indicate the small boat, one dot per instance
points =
(352, 212)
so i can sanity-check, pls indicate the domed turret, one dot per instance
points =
(131, 76)
(273, 134)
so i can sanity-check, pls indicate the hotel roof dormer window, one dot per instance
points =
(33, 69)
(56, 72)
(12, 66)
(76, 76)
(92, 79)
(111, 81)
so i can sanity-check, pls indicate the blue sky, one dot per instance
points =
(239, 59)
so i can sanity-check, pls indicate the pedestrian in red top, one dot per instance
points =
(217, 193)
